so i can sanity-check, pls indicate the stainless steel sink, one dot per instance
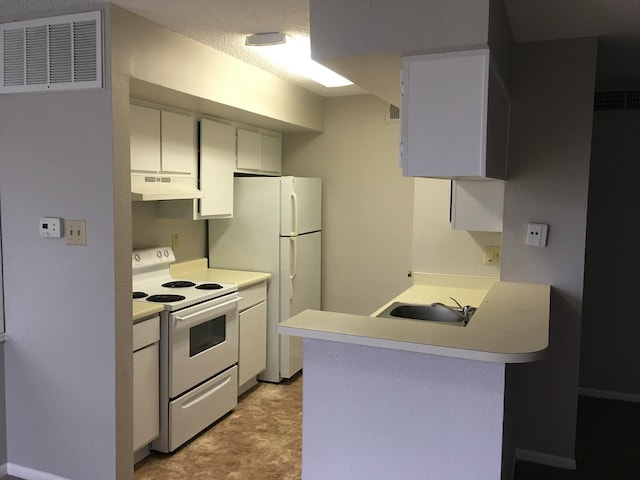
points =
(435, 312)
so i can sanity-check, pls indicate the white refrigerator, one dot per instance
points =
(276, 228)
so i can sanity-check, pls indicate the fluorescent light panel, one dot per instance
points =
(295, 55)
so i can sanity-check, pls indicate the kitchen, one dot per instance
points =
(342, 165)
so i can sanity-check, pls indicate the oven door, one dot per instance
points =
(203, 340)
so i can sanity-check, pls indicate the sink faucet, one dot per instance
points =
(466, 311)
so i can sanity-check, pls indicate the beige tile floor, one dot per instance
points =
(260, 439)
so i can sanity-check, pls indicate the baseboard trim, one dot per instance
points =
(546, 459)
(609, 395)
(30, 473)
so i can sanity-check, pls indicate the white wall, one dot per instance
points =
(60, 366)
(610, 328)
(364, 27)
(360, 419)
(151, 231)
(436, 248)
(367, 204)
(550, 139)
(145, 51)
(3, 409)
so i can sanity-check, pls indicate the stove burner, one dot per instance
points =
(165, 298)
(209, 286)
(139, 294)
(178, 284)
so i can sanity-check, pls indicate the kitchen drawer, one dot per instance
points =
(146, 332)
(202, 406)
(252, 295)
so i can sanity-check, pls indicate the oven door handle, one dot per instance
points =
(196, 317)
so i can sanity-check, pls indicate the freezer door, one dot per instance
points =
(301, 205)
(299, 290)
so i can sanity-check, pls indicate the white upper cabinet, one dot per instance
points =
(217, 164)
(178, 141)
(477, 205)
(259, 152)
(271, 153)
(144, 127)
(454, 117)
(249, 150)
(162, 141)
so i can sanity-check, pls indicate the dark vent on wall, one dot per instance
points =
(617, 100)
(57, 53)
(393, 114)
(633, 100)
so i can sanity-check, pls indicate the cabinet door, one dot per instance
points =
(146, 396)
(217, 164)
(144, 127)
(271, 153)
(252, 354)
(444, 112)
(477, 205)
(178, 140)
(249, 150)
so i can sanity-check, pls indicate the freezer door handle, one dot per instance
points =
(294, 265)
(294, 211)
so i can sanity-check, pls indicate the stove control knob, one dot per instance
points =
(158, 253)
(166, 253)
(137, 257)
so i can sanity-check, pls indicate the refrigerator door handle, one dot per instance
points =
(294, 211)
(294, 270)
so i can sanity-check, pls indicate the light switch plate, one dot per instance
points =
(75, 231)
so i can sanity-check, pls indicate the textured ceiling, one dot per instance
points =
(223, 24)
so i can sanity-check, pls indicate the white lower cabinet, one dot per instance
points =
(146, 382)
(252, 354)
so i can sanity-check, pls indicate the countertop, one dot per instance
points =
(510, 325)
(142, 310)
(198, 270)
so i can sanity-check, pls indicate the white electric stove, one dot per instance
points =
(152, 281)
(198, 346)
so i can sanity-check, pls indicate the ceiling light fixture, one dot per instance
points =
(295, 55)
(265, 39)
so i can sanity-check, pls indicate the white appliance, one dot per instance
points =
(198, 346)
(276, 228)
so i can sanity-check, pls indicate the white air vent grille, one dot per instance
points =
(58, 53)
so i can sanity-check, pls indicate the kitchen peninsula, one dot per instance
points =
(400, 398)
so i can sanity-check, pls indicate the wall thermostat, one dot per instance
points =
(51, 227)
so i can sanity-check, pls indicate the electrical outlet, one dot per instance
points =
(537, 234)
(492, 255)
(174, 241)
(75, 232)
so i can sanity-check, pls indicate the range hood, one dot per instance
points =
(150, 187)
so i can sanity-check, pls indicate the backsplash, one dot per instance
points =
(148, 230)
